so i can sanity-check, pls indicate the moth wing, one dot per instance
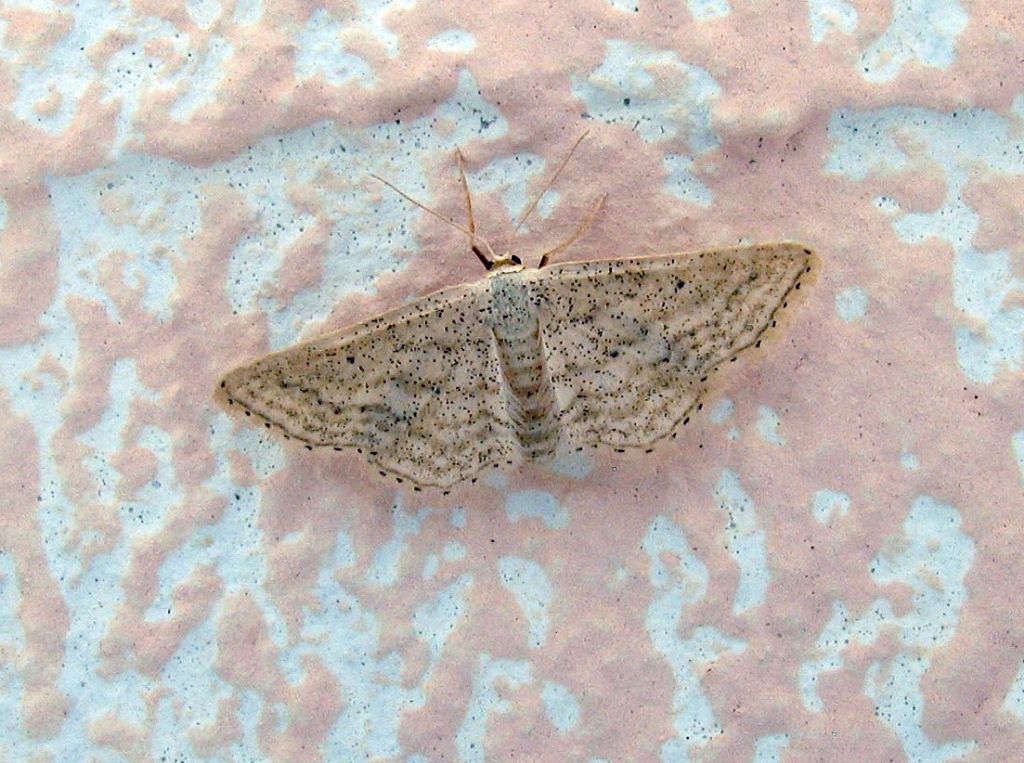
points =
(416, 390)
(630, 342)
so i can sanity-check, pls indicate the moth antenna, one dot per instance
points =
(547, 185)
(472, 235)
(581, 230)
(487, 263)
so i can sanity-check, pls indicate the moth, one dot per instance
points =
(524, 363)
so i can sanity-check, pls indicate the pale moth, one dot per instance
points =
(524, 364)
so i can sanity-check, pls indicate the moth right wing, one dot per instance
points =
(416, 390)
(630, 342)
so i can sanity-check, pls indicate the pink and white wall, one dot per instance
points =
(825, 565)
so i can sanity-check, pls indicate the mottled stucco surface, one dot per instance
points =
(824, 565)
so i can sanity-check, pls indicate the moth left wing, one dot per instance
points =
(630, 343)
(415, 390)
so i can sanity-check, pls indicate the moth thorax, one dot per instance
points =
(512, 310)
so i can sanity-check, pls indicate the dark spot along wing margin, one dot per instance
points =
(631, 343)
(415, 390)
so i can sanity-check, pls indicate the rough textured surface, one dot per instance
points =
(824, 564)
(525, 363)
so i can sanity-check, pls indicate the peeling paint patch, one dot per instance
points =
(991, 335)
(745, 541)
(827, 503)
(1017, 446)
(683, 183)
(575, 465)
(851, 304)
(537, 504)
(679, 581)
(933, 560)
(899, 703)
(452, 41)
(435, 621)
(706, 10)
(561, 706)
(768, 423)
(321, 52)
(486, 701)
(624, 90)
(1013, 702)
(838, 634)
(831, 17)
(721, 411)
(385, 568)
(529, 585)
(769, 749)
(921, 31)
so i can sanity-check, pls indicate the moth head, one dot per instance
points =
(505, 263)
